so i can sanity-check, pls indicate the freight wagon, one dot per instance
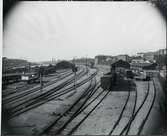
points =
(108, 80)
(29, 78)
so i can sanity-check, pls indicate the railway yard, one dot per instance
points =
(129, 107)
(92, 68)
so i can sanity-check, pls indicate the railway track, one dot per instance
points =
(88, 102)
(6, 93)
(21, 108)
(149, 111)
(88, 114)
(124, 108)
(84, 101)
(78, 104)
(21, 96)
(33, 90)
(40, 95)
(58, 75)
(103, 94)
(128, 127)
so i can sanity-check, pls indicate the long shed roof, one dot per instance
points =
(121, 63)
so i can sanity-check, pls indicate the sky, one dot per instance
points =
(39, 31)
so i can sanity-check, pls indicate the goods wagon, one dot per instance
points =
(107, 81)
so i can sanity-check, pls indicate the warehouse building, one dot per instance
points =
(120, 66)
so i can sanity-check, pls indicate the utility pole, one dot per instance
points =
(40, 81)
(29, 67)
(86, 65)
(75, 80)
(40, 74)
(74, 70)
(159, 61)
(74, 76)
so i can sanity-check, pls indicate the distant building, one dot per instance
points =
(140, 54)
(149, 56)
(120, 66)
(123, 57)
(83, 61)
(104, 60)
(137, 64)
(138, 60)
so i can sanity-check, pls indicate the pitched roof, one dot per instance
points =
(121, 63)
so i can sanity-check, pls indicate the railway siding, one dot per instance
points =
(46, 113)
(42, 115)
(141, 115)
(33, 93)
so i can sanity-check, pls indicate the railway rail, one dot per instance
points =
(87, 102)
(20, 96)
(23, 107)
(34, 89)
(76, 106)
(124, 108)
(41, 95)
(6, 92)
(128, 125)
(127, 128)
(83, 102)
(149, 111)
(83, 119)
(28, 96)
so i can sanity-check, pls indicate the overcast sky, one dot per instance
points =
(40, 31)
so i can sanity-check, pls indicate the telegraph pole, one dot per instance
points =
(75, 80)
(86, 65)
(40, 81)
(40, 74)
(74, 76)
(29, 67)
(74, 70)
